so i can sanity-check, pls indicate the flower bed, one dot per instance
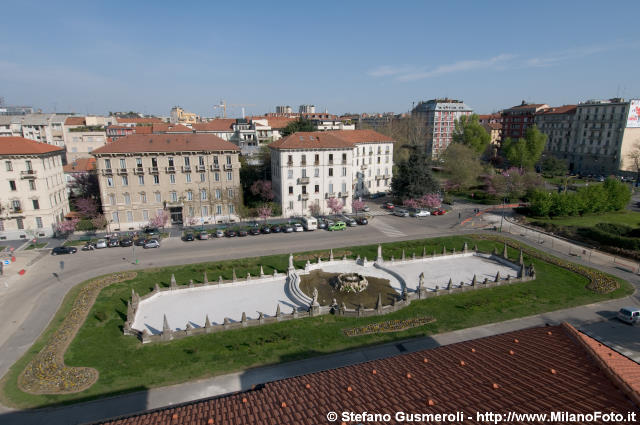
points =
(47, 373)
(599, 282)
(388, 326)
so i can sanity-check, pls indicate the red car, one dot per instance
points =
(389, 206)
(438, 212)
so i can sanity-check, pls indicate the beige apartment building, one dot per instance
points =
(84, 134)
(33, 198)
(194, 178)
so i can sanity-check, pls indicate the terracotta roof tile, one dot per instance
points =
(491, 380)
(361, 136)
(565, 109)
(20, 145)
(74, 121)
(170, 128)
(80, 165)
(311, 140)
(222, 124)
(148, 120)
(170, 142)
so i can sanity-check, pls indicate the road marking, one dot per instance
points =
(387, 229)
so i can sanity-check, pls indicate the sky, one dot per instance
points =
(345, 56)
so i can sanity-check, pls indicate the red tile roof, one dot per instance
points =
(22, 146)
(170, 128)
(74, 121)
(311, 140)
(222, 124)
(166, 143)
(565, 109)
(494, 125)
(149, 120)
(538, 370)
(361, 136)
(276, 123)
(80, 165)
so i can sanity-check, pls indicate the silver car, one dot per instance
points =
(629, 315)
(401, 213)
(152, 243)
(102, 243)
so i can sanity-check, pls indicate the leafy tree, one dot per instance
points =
(468, 131)
(618, 194)
(413, 177)
(262, 189)
(525, 152)
(87, 207)
(86, 185)
(462, 165)
(540, 203)
(513, 183)
(552, 166)
(99, 221)
(300, 124)
(410, 133)
(335, 205)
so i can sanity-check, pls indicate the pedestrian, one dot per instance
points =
(459, 215)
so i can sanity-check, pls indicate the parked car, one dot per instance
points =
(629, 315)
(255, 231)
(349, 221)
(113, 242)
(140, 242)
(59, 250)
(338, 225)
(203, 236)
(439, 212)
(322, 224)
(376, 195)
(389, 205)
(276, 228)
(151, 231)
(265, 229)
(242, 233)
(401, 213)
(126, 242)
(219, 233)
(89, 246)
(287, 228)
(298, 227)
(189, 237)
(230, 233)
(366, 208)
(362, 220)
(102, 243)
(419, 213)
(152, 243)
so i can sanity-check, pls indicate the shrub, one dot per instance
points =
(85, 225)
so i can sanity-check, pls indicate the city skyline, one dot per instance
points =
(358, 57)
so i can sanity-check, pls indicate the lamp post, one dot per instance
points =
(502, 219)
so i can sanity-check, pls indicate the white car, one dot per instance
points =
(629, 315)
(420, 213)
(102, 243)
(297, 227)
(152, 243)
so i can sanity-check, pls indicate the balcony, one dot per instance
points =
(330, 162)
(303, 180)
(316, 162)
(343, 195)
(28, 174)
(215, 167)
(379, 176)
(122, 171)
(186, 168)
(290, 164)
(200, 168)
(304, 196)
(170, 169)
(364, 166)
(228, 167)
(138, 170)
(303, 163)
(107, 172)
(153, 170)
(331, 195)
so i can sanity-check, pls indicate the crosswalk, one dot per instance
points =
(387, 229)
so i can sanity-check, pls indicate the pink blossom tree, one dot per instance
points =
(431, 200)
(357, 205)
(160, 219)
(66, 227)
(335, 205)
(87, 207)
(192, 221)
(410, 203)
(262, 189)
(314, 209)
(99, 221)
(264, 212)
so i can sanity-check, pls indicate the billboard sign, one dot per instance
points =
(633, 120)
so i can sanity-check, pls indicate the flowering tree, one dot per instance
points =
(160, 220)
(264, 212)
(431, 200)
(66, 227)
(513, 183)
(192, 221)
(99, 221)
(410, 203)
(357, 205)
(262, 189)
(87, 207)
(335, 205)
(314, 209)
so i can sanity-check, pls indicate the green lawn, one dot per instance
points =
(125, 364)
(627, 217)
(36, 245)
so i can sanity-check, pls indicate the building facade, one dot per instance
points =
(284, 109)
(309, 168)
(45, 128)
(34, 198)
(82, 135)
(180, 116)
(439, 117)
(517, 119)
(306, 109)
(192, 178)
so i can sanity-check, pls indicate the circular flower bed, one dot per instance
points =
(388, 326)
(46, 373)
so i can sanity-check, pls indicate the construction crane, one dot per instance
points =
(223, 105)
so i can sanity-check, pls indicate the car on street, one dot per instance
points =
(389, 205)
(265, 229)
(298, 227)
(126, 242)
(362, 220)
(322, 224)
(140, 241)
(366, 208)
(219, 233)
(59, 250)
(439, 212)
(287, 228)
(152, 243)
(338, 225)
(255, 231)
(276, 228)
(376, 195)
(349, 221)
(203, 236)
(419, 213)
(189, 237)
(629, 315)
(113, 242)
(88, 246)
(401, 213)
(230, 233)
(151, 231)
(242, 233)
(102, 243)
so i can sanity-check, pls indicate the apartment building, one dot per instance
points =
(195, 178)
(180, 116)
(82, 135)
(45, 128)
(34, 198)
(439, 117)
(517, 119)
(308, 168)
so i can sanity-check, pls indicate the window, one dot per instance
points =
(39, 222)
(156, 179)
(344, 188)
(330, 187)
(330, 172)
(129, 216)
(344, 171)
(143, 197)
(229, 175)
(230, 193)
(36, 204)
(289, 174)
(114, 217)
(20, 223)
(229, 159)
(218, 209)
(290, 159)
(202, 177)
(158, 197)
(231, 209)
(127, 199)
(170, 160)
(125, 180)
(316, 188)
(32, 184)
(204, 211)
(187, 161)
(344, 158)
(215, 161)
(154, 162)
(290, 190)
(12, 185)
(303, 160)
(201, 161)
(304, 190)
(141, 180)
(203, 195)
(174, 196)
(304, 172)
(107, 163)
(330, 158)
(8, 165)
(290, 205)
(172, 178)
(316, 172)
(191, 211)
(317, 159)
(145, 215)
(139, 162)
(188, 177)
(112, 199)
(123, 163)
(218, 194)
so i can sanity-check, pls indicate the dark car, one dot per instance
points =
(140, 242)
(322, 224)
(288, 228)
(266, 230)
(189, 237)
(242, 233)
(113, 242)
(230, 233)
(255, 231)
(151, 231)
(59, 250)
(276, 228)
(126, 242)
(362, 220)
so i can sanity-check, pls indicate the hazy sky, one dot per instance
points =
(346, 56)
